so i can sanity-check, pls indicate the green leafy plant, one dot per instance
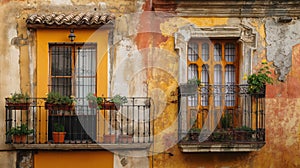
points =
(18, 98)
(195, 130)
(118, 99)
(58, 127)
(20, 130)
(244, 128)
(58, 99)
(94, 99)
(226, 120)
(193, 134)
(195, 81)
(258, 80)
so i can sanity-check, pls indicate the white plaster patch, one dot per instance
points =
(61, 2)
(13, 77)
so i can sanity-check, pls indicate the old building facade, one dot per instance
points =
(149, 51)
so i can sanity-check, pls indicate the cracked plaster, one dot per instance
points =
(280, 38)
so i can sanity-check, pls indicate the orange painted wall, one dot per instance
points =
(73, 159)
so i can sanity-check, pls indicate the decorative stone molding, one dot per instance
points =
(229, 8)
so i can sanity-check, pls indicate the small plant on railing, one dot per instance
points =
(116, 100)
(119, 100)
(19, 133)
(58, 133)
(55, 99)
(94, 101)
(108, 104)
(193, 134)
(257, 81)
(18, 98)
(194, 81)
(18, 101)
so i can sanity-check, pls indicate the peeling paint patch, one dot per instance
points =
(280, 39)
(61, 2)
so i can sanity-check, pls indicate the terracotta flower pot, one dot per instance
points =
(93, 104)
(126, 139)
(109, 106)
(18, 106)
(65, 107)
(109, 138)
(19, 138)
(58, 137)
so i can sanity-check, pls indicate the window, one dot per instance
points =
(73, 69)
(215, 63)
(73, 72)
(221, 110)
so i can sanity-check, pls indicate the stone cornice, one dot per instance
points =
(229, 8)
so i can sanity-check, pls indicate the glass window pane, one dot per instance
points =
(218, 74)
(229, 75)
(193, 74)
(62, 85)
(61, 61)
(230, 85)
(85, 69)
(193, 52)
(205, 51)
(86, 62)
(217, 84)
(205, 81)
(218, 52)
(193, 71)
(229, 52)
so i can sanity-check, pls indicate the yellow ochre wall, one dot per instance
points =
(72, 159)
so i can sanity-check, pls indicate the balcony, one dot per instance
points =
(221, 118)
(86, 127)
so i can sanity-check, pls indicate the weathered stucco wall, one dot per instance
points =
(282, 118)
(17, 51)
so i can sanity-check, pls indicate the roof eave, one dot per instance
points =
(72, 26)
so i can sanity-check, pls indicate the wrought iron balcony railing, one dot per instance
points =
(131, 123)
(220, 114)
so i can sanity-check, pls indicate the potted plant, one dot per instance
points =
(221, 135)
(94, 101)
(58, 133)
(18, 101)
(257, 81)
(193, 134)
(19, 133)
(109, 138)
(226, 121)
(125, 138)
(117, 100)
(114, 103)
(56, 101)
